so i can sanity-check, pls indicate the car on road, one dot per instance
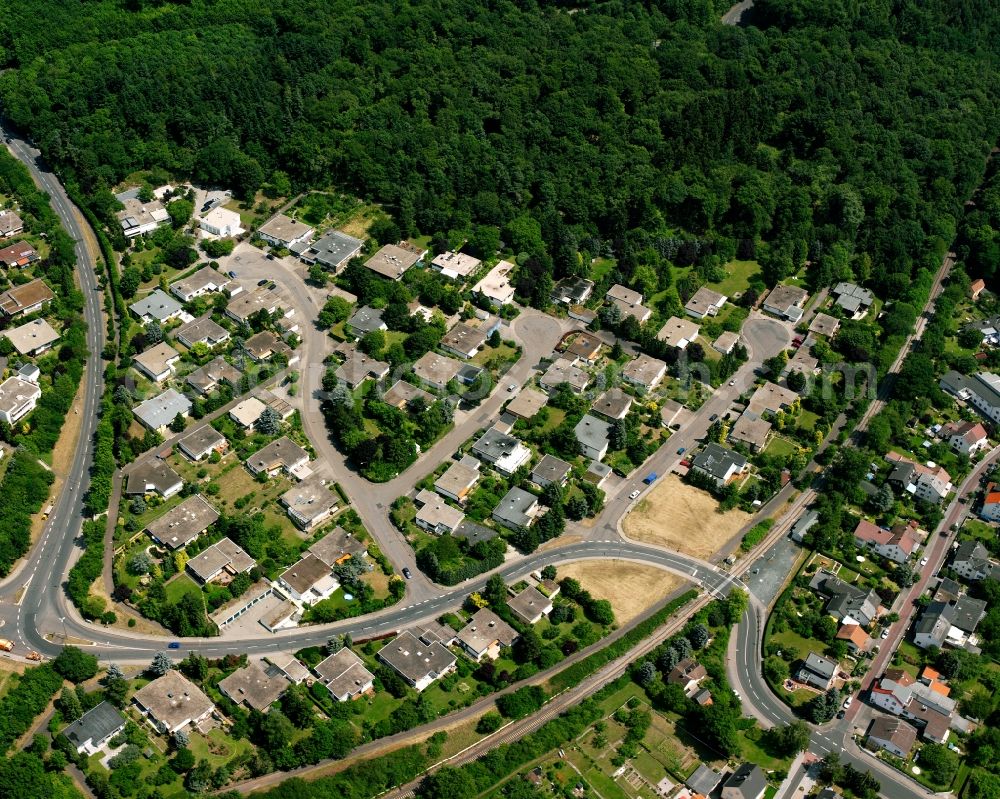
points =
(407, 573)
(270, 257)
(634, 494)
(847, 702)
(262, 282)
(681, 450)
(512, 387)
(923, 561)
(174, 645)
(713, 417)
(840, 715)
(732, 382)
(885, 633)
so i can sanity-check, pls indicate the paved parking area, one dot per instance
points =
(770, 571)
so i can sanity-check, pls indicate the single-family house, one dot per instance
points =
(338, 546)
(549, 470)
(205, 281)
(688, 674)
(976, 288)
(25, 299)
(705, 303)
(416, 661)
(817, 671)
(527, 403)
(613, 404)
(629, 302)
(393, 260)
(585, 347)
(530, 605)
(678, 333)
(205, 379)
(897, 544)
(965, 437)
(823, 324)
(931, 483)
(435, 515)
(308, 580)
(224, 559)
(645, 372)
(310, 503)
(855, 637)
(991, 504)
(345, 676)
(157, 306)
(203, 330)
(150, 476)
(95, 728)
(436, 370)
(771, 398)
(280, 454)
(183, 523)
(459, 479)
(10, 224)
(157, 362)
(485, 634)
(564, 370)
(18, 255)
(172, 702)
(402, 395)
(750, 430)
(246, 412)
(853, 300)
(271, 301)
(517, 510)
(748, 782)
(892, 735)
(971, 560)
(202, 442)
(703, 781)
(503, 452)
(496, 286)
(32, 338)
(221, 222)
(365, 320)
(140, 217)
(786, 302)
(159, 411)
(726, 342)
(454, 265)
(289, 666)
(283, 231)
(722, 465)
(572, 290)
(254, 687)
(463, 340)
(948, 623)
(847, 603)
(594, 436)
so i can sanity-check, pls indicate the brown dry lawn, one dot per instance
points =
(630, 587)
(683, 518)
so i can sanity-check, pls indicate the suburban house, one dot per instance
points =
(338, 546)
(949, 623)
(855, 637)
(221, 222)
(436, 370)
(364, 321)
(527, 403)
(416, 661)
(25, 299)
(183, 523)
(265, 345)
(283, 231)
(802, 525)
(892, 735)
(254, 687)
(688, 674)
(853, 300)
(393, 260)
(629, 302)
(473, 533)
(517, 510)
(345, 676)
(262, 300)
(496, 286)
(585, 347)
(897, 544)
(726, 342)
(32, 338)
(202, 442)
(172, 702)
(18, 255)
(280, 454)
(153, 476)
(786, 302)
(485, 634)
(503, 452)
(722, 465)
(751, 431)
(17, 399)
(205, 281)
(159, 411)
(205, 379)
(564, 370)
(157, 306)
(772, 399)
(929, 483)
(332, 251)
(704, 303)
(645, 372)
(847, 603)
(246, 412)
(748, 782)
(593, 435)
(95, 728)
(201, 331)
(677, 332)
(530, 605)
(310, 503)
(288, 665)
(435, 515)
(549, 470)
(140, 217)
(157, 362)
(458, 481)
(991, 504)
(10, 224)
(573, 291)
(981, 390)
(817, 671)
(976, 288)
(455, 264)
(972, 561)
(965, 437)
(401, 394)
(463, 340)
(613, 404)
(223, 559)
(703, 781)
(823, 324)
(308, 580)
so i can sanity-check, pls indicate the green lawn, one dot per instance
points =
(803, 646)
(179, 586)
(738, 278)
(808, 419)
(217, 747)
(600, 268)
(752, 750)
(978, 529)
(779, 446)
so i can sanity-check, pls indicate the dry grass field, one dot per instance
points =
(630, 587)
(683, 518)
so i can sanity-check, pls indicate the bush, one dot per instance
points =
(75, 665)
(756, 534)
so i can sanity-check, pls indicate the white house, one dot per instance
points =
(221, 222)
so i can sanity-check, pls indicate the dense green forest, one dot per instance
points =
(843, 132)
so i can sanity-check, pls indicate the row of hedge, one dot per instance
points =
(756, 534)
(86, 571)
(25, 487)
(22, 703)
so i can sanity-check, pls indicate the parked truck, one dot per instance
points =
(6, 644)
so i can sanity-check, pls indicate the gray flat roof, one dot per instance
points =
(159, 411)
(158, 304)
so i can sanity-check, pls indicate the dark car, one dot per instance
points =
(262, 282)
(406, 573)
(231, 273)
(207, 206)
(174, 645)
(713, 417)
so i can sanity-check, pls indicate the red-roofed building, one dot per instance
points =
(991, 504)
(855, 637)
(965, 437)
(976, 288)
(897, 544)
(19, 254)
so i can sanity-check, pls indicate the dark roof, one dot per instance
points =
(748, 779)
(95, 725)
(704, 780)
(716, 460)
(473, 533)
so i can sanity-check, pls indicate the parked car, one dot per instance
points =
(407, 573)
(732, 382)
(634, 494)
(681, 450)
(262, 282)
(231, 273)
(512, 387)
(885, 633)
(923, 561)
(847, 702)
(713, 417)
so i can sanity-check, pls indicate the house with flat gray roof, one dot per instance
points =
(418, 663)
(593, 435)
(393, 260)
(203, 441)
(550, 469)
(459, 479)
(310, 503)
(436, 370)
(158, 412)
(332, 251)
(183, 523)
(503, 452)
(455, 264)
(517, 510)
(153, 476)
(283, 231)
(530, 605)
(280, 454)
(463, 340)
(853, 300)
(157, 362)
(254, 687)
(613, 404)
(203, 330)
(473, 533)
(224, 558)
(157, 306)
(721, 464)
(205, 281)
(365, 320)
(527, 403)
(18, 398)
(435, 515)
(345, 676)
